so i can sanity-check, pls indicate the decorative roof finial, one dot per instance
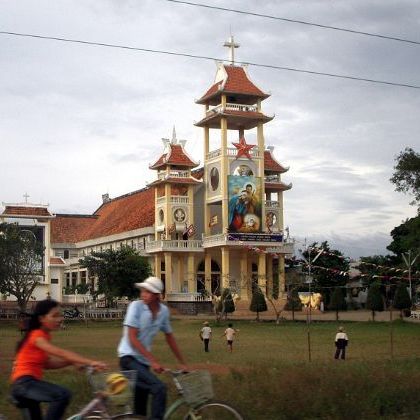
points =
(26, 196)
(174, 140)
(231, 44)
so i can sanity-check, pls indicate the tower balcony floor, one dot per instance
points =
(163, 245)
(270, 242)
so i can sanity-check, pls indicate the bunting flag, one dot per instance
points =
(191, 230)
(331, 254)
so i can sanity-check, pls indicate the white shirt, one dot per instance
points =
(206, 332)
(341, 336)
(230, 333)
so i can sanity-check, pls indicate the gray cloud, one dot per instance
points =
(78, 121)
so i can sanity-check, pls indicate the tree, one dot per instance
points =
(258, 303)
(116, 271)
(402, 298)
(337, 302)
(293, 302)
(225, 304)
(21, 257)
(375, 300)
(407, 174)
(405, 237)
(333, 264)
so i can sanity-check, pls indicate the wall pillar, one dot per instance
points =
(170, 286)
(244, 276)
(262, 276)
(157, 268)
(207, 271)
(282, 277)
(192, 284)
(224, 281)
(269, 275)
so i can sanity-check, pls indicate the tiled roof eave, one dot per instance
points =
(27, 216)
(175, 180)
(246, 115)
(279, 186)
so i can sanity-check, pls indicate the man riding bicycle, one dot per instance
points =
(144, 319)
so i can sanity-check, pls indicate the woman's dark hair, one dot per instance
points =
(41, 308)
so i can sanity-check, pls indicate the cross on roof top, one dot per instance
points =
(26, 196)
(231, 44)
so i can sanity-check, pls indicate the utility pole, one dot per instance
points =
(409, 263)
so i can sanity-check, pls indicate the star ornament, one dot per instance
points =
(243, 148)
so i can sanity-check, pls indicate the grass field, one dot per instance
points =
(268, 376)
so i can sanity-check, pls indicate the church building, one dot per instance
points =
(204, 228)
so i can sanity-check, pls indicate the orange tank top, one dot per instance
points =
(30, 360)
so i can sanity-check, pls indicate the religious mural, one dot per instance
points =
(244, 204)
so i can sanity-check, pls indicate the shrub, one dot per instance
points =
(375, 300)
(258, 303)
(401, 298)
(337, 302)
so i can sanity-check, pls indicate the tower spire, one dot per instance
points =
(231, 45)
(174, 140)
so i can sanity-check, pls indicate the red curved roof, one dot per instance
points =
(236, 82)
(271, 164)
(175, 157)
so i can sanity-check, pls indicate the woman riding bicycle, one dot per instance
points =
(35, 353)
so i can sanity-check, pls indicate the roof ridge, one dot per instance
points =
(120, 197)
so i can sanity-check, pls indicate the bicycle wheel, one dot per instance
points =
(215, 410)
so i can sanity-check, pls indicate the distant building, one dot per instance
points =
(203, 229)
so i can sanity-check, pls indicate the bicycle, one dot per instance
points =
(195, 401)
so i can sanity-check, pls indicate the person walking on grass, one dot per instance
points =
(230, 333)
(143, 320)
(34, 354)
(205, 335)
(341, 341)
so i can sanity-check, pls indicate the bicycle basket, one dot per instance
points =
(197, 386)
(119, 390)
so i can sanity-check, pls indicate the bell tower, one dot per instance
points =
(234, 177)
(174, 216)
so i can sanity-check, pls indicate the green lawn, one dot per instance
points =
(268, 376)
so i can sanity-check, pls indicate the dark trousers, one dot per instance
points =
(337, 353)
(146, 383)
(206, 344)
(30, 392)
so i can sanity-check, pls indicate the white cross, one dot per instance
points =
(231, 44)
(26, 196)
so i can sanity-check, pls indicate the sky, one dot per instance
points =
(78, 121)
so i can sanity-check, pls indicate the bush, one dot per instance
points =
(258, 303)
(226, 304)
(337, 302)
(293, 302)
(375, 300)
(401, 298)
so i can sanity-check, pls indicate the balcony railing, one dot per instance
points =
(272, 178)
(234, 107)
(186, 297)
(272, 204)
(174, 199)
(273, 247)
(173, 174)
(232, 152)
(174, 245)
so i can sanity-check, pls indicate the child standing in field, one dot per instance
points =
(341, 341)
(230, 335)
(205, 335)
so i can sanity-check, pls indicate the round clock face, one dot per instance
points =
(179, 215)
(161, 216)
(214, 178)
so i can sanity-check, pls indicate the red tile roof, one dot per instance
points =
(277, 186)
(70, 228)
(176, 156)
(236, 118)
(56, 261)
(128, 212)
(24, 210)
(235, 82)
(271, 164)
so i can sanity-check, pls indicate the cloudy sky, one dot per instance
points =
(77, 121)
